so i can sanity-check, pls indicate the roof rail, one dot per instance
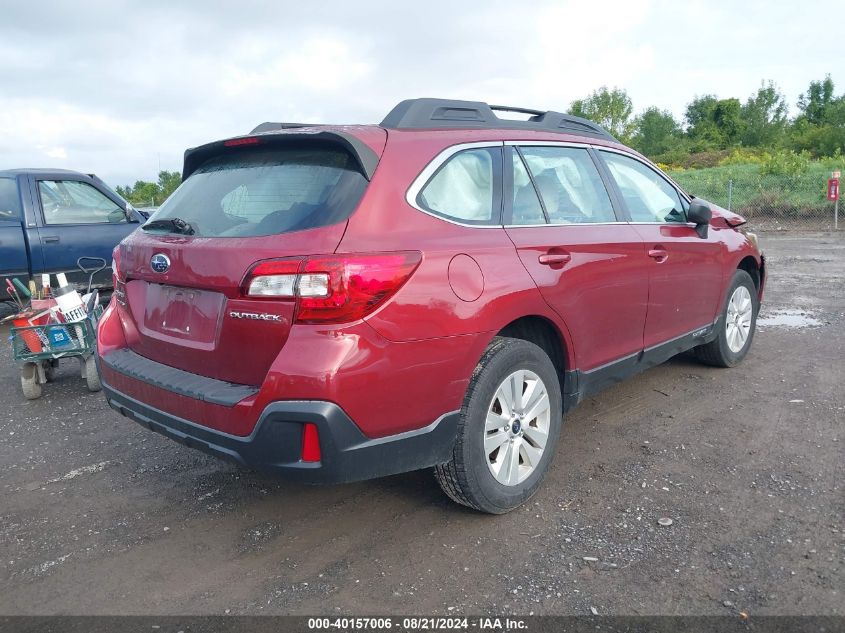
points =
(448, 113)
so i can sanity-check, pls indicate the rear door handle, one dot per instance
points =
(554, 259)
(50, 238)
(659, 254)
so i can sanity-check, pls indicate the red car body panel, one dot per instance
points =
(209, 342)
(684, 288)
(372, 378)
(607, 271)
(409, 362)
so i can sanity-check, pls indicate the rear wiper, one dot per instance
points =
(173, 225)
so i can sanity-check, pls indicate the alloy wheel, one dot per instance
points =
(738, 319)
(517, 427)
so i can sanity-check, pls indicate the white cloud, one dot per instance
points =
(122, 88)
(574, 61)
(56, 152)
(35, 133)
(319, 65)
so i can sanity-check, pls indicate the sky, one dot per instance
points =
(121, 89)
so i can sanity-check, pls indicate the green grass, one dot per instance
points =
(755, 193)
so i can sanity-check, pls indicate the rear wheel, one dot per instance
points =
(509, 426)
(735, 329)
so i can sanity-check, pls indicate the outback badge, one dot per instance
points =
(257, 316)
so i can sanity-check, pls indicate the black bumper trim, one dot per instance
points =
(275, 444)
(128, 363)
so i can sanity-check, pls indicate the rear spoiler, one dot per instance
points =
(272, 134)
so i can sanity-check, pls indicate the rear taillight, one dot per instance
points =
(115, 263)
(355, 285)
(274, 278)
(118, 282)
(332, 288)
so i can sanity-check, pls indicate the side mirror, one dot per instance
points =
(699, 213)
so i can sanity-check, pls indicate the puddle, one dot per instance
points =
(787, 318)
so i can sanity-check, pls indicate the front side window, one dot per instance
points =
(76, 202)
(10, 202)
(647, 195)
(569, 184)
(464, 188)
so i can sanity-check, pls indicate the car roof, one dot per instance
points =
(38, 171)
(462, 121)
(450, 120)
(454, 114)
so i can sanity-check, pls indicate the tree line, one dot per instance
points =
(711, 129)
(717, 126)
(151, 194)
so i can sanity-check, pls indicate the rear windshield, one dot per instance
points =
(252, 193)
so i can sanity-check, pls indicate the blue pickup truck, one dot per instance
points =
(49, 218)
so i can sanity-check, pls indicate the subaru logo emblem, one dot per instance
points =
(160, 263)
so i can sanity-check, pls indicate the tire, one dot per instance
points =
(468, 478)
(29, 381)
(92, 377)
(725, 350)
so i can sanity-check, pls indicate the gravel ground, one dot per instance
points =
(98, 516)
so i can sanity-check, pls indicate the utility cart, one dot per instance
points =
(40, 341)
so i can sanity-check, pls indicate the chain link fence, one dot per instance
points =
(769, 202)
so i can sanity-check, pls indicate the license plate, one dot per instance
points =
(179, 312)
(183, 314)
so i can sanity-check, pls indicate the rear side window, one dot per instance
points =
(466, 188)
(526, 206)
(10, 202)
(254, 193)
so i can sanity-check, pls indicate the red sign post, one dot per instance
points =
(833, 194)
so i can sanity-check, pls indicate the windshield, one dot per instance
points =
(250, 193)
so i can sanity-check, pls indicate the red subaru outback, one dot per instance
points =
(335, 303)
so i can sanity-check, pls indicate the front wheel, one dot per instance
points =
(735, 328)
(29, 381)
(508, 429)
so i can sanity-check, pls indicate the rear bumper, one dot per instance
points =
(275, 444)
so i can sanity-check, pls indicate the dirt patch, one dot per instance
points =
(98, 515)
